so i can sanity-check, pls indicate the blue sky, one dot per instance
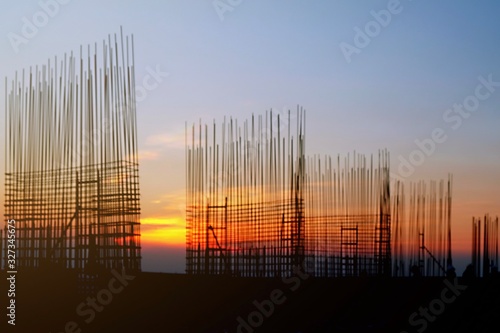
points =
(280, 54)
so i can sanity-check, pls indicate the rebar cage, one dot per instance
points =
(71, 181)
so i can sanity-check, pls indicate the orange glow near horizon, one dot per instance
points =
(170, 231)
(163, 231)
(165, 224)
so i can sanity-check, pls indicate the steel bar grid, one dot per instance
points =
(245, 206)
(72, 181)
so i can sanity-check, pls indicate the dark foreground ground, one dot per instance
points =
(156, 302)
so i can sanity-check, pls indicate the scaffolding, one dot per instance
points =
(245, 205)
(348, 216)
(253, 210)
(71, 181)
(427, 240)
(256, 206)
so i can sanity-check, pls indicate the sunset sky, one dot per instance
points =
(420, 78)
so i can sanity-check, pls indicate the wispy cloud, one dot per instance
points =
(148, 155)
(172, 205)
(166, 140)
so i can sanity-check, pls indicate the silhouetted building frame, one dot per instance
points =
(72, 182)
